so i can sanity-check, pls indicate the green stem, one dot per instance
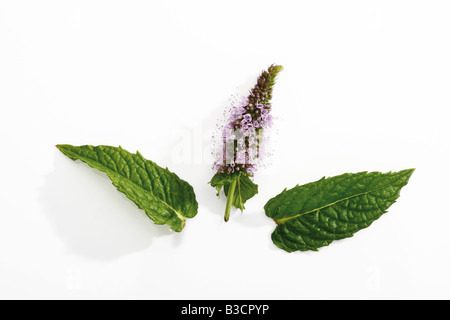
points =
(230, 199)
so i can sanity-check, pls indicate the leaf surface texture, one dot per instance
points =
(314, 215)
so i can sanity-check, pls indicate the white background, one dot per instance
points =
(365, 87)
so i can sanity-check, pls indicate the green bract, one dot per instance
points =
(165, 198)
(238, 188)
(314, 215)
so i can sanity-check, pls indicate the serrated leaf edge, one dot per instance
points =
(283, 220)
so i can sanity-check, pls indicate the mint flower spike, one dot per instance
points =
(243, 143)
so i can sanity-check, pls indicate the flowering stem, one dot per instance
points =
(230, 199)
(242, 144)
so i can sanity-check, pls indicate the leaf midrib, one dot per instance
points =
(283, 220)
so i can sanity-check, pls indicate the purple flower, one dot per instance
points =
(247, 117)
(247, 120)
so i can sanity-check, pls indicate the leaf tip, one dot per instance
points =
(408, 172)
(60, 146)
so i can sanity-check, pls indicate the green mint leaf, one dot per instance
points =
(314, 215)
(238, 188)
(221, 179)
(165, 198)
(245, 190)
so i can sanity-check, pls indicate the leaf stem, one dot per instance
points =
(230, 199)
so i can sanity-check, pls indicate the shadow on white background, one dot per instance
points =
(94, 219)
